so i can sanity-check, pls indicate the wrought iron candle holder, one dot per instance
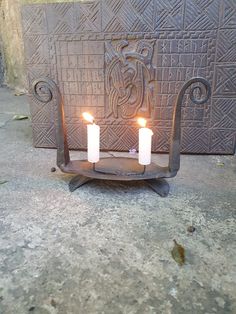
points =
(119, 168)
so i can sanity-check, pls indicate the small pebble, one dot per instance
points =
(32, 308)
(53, 169)
(53, 303)
(220, 301)
(191, 229)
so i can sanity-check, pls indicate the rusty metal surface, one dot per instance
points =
(119, 59)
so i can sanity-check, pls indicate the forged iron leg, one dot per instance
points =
(160, 186)
(77, 182)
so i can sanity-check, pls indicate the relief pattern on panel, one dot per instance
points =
(127, 16)
(225, 84)
(129, 78)
(228, 16)
(123, 58)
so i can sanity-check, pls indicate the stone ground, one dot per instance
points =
(106, 247)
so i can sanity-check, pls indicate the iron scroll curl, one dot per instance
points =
(204, 92)
(204, 85)
(46, 90)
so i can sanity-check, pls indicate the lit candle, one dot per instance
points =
(145, 143)
(93, 138)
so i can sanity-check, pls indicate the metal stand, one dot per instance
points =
(114, 168)
(160, 186)
(77, 182)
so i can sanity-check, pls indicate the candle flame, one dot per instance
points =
(142, 122)
(88, 117)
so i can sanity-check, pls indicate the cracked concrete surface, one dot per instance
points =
(106, 247)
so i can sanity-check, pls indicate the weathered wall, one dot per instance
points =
(11, 37)
(1, 65)
(12, 45)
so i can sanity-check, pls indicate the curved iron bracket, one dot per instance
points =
(46, 90)
(175, 140)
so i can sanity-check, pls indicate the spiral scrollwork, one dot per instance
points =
(43, 90)
(199, 94)
(203, 90)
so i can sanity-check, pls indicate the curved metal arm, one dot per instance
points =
(46, 90)
(174, 157)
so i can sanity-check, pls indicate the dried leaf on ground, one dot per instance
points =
(3, 182)
(20, 117)
(178, 253)
(19, 93)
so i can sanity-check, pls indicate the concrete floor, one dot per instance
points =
(106, 247)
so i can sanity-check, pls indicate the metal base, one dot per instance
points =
(160, 186)
(77, 182)
(118, 169)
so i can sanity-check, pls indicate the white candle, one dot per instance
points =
(93, 139)
(145, 143)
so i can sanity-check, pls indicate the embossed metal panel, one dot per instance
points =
(120, 59)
